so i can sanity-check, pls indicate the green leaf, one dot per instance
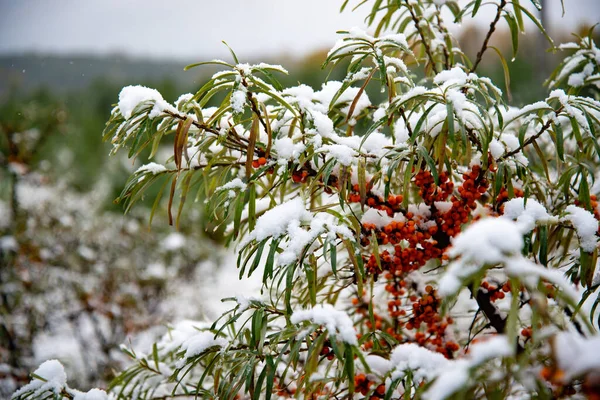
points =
(232, 52)
(534, 19)
(270, 377)
(362, 181)
(476, 5)
(514, 33)
(268, 272)
(349, 368)
(333, 257)
(251, 206)
(239, 208)
(517, 9)
(560, 140)
(312, 362)
(430, 164)
(213, 62)
(506, 71)
(584, 191)
(256, 327)
(587, 267)
(259, 382)
(543, 239)
(376, 249)
(257, 257)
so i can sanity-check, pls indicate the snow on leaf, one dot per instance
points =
(585, 225)
(53, 379)
(488, 241)
(337, 322)
(131, 96)
(152, 168)
(527, 215)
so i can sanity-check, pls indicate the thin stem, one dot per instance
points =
(484, 46)
(528, 141)
(422, 34)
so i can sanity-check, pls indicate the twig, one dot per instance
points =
(425, 43)
(484, 47)
(528, 141)
(491, 312)
(447, 36)
(406, 122)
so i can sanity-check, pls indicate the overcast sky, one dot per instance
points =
(194, 29)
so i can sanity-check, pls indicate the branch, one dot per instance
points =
(425, 43)
(484, 47)
(444, 30)
(491, 312)
(196, 124)
(528, 141)
(406, 122)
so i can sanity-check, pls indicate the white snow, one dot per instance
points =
(527, 215)
(493, 347)
(454, 76)
(152, 168)
(54, 379)
(443, 206)
(342, 153)
(337, 322)
(575, 354)
(496, 148)
(173, 242)
(488, 241)
(8, 243)
(274, 67)
(274, 223)
(578, 79)
(234, 184)
(92, 394)
(425, 364)
(131, 96)
(238, 100)
(287, 150)
(530, 273)
(378, 364)
(244, 301)
(200, 342)
(323, 124)
(450, 381)
(586, 226)
(180, 333)
(456, 374)
(376, 217)
(515, 113)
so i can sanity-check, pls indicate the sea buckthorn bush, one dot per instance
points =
(417, 235)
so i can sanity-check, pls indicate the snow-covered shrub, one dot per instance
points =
(435, 243)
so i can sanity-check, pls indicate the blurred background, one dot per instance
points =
(77, 277)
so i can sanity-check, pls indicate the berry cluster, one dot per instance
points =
(417, 239)
(428, 191)
(495, 292)
(259, 162)
(471, 190)
(363, 384)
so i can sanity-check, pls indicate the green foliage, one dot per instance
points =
(336, 198)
